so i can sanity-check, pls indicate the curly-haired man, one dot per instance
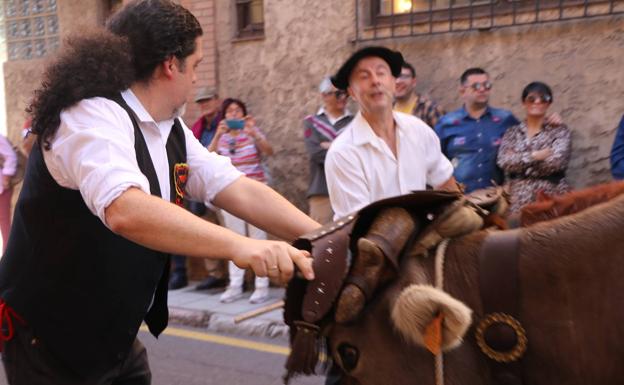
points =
(88, 261)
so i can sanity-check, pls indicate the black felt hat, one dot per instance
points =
(394, 59)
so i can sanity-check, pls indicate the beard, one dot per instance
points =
(179, 111)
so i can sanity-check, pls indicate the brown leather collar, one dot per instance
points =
(499, 333)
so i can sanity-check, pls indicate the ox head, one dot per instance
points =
(405, 320)
(394, 338)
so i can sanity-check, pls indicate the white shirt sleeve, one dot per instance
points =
(439, 168)
(209, 172)
(346, 182)
(93, 151)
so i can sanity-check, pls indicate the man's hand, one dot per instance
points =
(541, 154)
(273, 259)
(554, 119)
(450, 185)
(325, 145)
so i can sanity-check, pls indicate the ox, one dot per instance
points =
(570, 303)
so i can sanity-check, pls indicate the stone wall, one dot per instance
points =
(277, 75)
(575, 58)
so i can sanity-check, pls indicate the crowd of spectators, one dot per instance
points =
(398, 141)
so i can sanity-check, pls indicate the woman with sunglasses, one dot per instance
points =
(239, 138)
(534, 154)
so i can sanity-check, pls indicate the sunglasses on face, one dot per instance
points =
(538, 99)
(487, 85)
(337, 94)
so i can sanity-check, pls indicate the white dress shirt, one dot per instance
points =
(331, 119)
(360, 167)
(93, 151)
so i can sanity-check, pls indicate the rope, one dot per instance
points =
(439, 284)
(439, 264)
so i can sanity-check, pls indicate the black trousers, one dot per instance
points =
(27, 361)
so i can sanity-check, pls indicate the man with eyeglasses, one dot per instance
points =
(409, 101)
(319, 131)
(471, 135)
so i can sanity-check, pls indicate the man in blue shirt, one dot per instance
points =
(617, 153)
(471, 135)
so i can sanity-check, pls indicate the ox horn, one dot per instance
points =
(418, 305)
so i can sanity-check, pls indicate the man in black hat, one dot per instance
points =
(381, 153)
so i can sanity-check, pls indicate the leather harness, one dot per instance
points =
(499, 334)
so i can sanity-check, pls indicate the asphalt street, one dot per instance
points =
(187, 356)
(194, 357)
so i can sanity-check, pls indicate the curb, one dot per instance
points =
(222, 323)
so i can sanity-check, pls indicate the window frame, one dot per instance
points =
(244, 27)
(51, 40)
(473, 16)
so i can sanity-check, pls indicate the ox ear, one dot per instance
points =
(419, 305)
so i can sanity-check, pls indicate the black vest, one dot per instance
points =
(83, 289)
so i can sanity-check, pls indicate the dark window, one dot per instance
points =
(250, 17)
(381, 19)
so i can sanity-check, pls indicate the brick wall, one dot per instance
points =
(204, 11)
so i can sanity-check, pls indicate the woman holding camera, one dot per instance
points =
(238, 138)
(534, 154)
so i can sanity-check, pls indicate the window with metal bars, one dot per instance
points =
(381, 19)
(250, 18)
(31, 28)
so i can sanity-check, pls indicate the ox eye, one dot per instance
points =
(349, 356)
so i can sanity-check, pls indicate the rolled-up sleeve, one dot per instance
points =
(93, 152)
(209, 172)
(439, 168)
(346, 182)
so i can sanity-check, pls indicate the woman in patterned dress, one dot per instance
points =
(534, 154)
(245, 145)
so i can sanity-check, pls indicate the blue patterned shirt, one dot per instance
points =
(472, 144)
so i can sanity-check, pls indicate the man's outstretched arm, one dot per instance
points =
(160, 225)
(263, 207)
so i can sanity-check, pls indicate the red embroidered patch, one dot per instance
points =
(180, 177)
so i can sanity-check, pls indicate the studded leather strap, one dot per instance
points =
(329, 247)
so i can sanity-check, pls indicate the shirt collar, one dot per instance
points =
(139, 111)
(322, 111)
(464, 112)
(363, 133)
